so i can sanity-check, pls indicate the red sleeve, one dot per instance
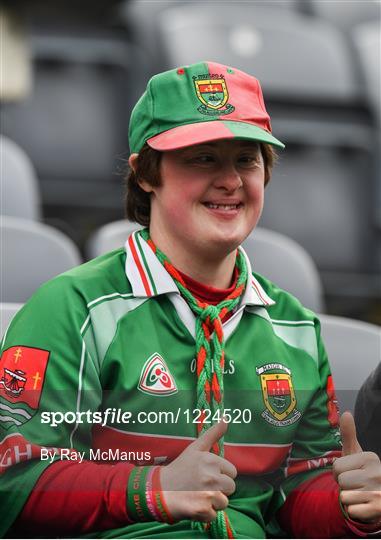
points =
(74, 498)
(312, 510)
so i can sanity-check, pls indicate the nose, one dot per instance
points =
(228, 178)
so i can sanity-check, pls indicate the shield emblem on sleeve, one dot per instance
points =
(22, 375)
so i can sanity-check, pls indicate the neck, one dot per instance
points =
(214, 271)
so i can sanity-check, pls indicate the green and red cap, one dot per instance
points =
(197, 104)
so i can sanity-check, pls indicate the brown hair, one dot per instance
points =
(138, 201)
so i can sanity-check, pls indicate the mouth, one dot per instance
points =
(224, 206)
(223, 210)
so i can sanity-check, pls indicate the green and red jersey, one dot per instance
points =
(115, 333)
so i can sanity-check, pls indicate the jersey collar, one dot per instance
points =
(149, 278)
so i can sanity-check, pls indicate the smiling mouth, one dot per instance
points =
(223, 206)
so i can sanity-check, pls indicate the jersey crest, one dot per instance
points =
(278, 395)
(22, 374)
(156, 378)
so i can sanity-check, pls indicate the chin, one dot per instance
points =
(226, 242)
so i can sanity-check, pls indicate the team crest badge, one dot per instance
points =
(213, 94)
(22, 374)
(278, 395)
(156, 378)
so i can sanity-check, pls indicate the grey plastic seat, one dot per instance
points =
(272, 254)
(7, 311)
(74, 123)
(345, 13)
(19, 184)
(317, 196)
(110, 236)
(142, 20)
(251, 38)
(32, 253)
(354, 351)
(367, 40)
(287, 264)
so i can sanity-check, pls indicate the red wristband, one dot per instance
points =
(160, 505)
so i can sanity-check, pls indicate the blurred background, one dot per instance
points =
(73, 69)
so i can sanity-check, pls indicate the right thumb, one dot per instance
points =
(210, 437)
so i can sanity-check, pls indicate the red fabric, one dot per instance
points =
(208, 294)
(74, 498)
(313, 510)
(82, 497)
(210, 88)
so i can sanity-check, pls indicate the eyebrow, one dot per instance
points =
(242, 144)
(252, 144)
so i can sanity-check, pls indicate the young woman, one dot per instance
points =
(164, 390)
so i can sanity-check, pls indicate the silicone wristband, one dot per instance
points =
(150, 496)
(160, 504)
(136, 495)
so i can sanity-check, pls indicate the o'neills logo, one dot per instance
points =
(278, 395)
(212, 91)
(156, 378)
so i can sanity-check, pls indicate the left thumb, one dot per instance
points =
(348, 435)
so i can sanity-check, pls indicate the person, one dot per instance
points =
(368, 412)
(163, 390)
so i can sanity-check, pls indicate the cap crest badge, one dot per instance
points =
(212, 91)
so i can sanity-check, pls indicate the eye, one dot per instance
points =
(205, 158)
(202, 159)
(249, 160)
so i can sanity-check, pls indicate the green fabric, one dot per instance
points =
(242, 130)
(100, 336)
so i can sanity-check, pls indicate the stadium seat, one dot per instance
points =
(74, 124)
(32, 253)
(7, 311)
(251, 38)
(287, 264)
(272, 254)
(354, 349)
(345, 13)
(142, 21)
(110, 236)
(19, 184)
(366, 39)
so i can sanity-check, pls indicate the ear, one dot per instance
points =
(133, 163)
(146, 186)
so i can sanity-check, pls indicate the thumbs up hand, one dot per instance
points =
(196, 484)
(358, 474)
